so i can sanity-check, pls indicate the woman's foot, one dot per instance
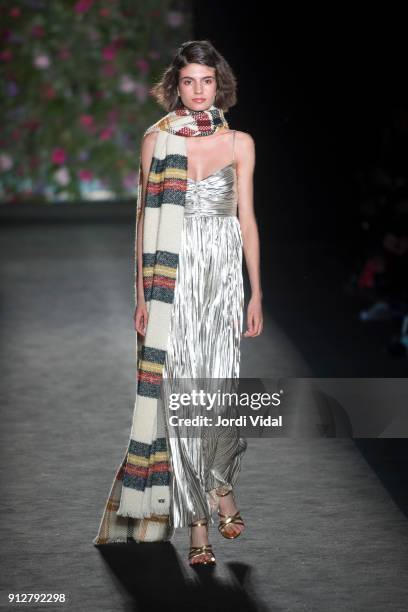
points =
(199, 537)
(227, 507)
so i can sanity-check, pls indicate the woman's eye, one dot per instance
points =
(208, 82)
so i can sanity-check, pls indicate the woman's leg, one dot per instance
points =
(224, 452)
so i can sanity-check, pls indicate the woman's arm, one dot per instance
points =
(245, 158)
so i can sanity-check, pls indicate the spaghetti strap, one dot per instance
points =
(233, 143)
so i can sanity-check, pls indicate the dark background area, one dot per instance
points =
(314, 90)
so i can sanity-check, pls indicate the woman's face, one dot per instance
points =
(197, 86)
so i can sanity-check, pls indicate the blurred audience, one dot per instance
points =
(380, 271)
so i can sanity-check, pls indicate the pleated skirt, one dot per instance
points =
(204, 346)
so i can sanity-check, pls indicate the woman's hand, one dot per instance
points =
(140, 317)
(254, 317)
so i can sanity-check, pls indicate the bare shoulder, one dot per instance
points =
(245, 150)
(244, 141)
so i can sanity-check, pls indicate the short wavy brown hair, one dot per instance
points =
(197, 52)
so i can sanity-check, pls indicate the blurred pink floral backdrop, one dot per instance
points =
(74, 93)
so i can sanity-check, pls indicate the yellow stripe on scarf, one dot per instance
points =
(149, 366)
(170, 172)
(144, 461)
(159, 269)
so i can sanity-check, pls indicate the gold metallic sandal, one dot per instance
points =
(195, 551)
(234, 519)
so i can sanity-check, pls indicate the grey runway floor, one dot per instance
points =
(323, 533)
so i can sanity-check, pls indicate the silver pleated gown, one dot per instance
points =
(204, 343)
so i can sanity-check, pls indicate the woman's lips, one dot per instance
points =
(198, 99)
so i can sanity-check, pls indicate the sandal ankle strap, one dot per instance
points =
(198, 523)
(223, 494)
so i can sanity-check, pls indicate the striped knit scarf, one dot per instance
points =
(139, 501)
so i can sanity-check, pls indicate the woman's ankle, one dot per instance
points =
(223, 490)
(199, 534)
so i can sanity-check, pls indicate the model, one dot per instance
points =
(195, 177)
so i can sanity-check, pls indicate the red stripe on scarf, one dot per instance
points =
(149, 377)
(139, 470)
(164, 281)
(168, 183)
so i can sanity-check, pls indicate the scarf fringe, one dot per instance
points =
(117, 529)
